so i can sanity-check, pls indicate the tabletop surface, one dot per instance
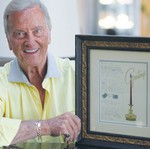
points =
(47, 146)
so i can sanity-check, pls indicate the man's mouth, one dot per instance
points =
(30, 51)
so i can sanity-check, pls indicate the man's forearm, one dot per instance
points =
(28, 130)
(65, 124)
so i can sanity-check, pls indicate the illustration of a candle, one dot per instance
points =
(130, 116)
(130, 89)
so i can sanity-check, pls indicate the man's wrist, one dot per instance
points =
(38, 129)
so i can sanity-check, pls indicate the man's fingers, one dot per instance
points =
(73, 125)
(66, 124)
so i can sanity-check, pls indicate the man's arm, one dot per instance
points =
(67, 123)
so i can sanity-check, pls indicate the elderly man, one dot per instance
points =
(37, 90)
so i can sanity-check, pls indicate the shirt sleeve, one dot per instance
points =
(8, 127)
(8, 130)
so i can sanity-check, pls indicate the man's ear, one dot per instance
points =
(49, 37)
(9, 43)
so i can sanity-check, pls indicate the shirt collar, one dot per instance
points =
(16, 74)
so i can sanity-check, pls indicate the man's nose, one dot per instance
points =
(30, 39)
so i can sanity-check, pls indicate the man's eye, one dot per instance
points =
(19, 34)
(38, 32)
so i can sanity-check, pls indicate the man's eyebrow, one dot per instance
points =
(18, 30)
(37, 27)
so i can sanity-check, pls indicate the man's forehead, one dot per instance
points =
(33, 15)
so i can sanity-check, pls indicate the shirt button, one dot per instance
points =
(37, 102)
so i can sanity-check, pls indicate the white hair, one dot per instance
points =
(18, 5)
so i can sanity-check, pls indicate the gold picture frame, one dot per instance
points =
(112, 90)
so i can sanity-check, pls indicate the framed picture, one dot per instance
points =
(113, 91)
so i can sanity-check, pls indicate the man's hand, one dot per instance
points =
(66, 124)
